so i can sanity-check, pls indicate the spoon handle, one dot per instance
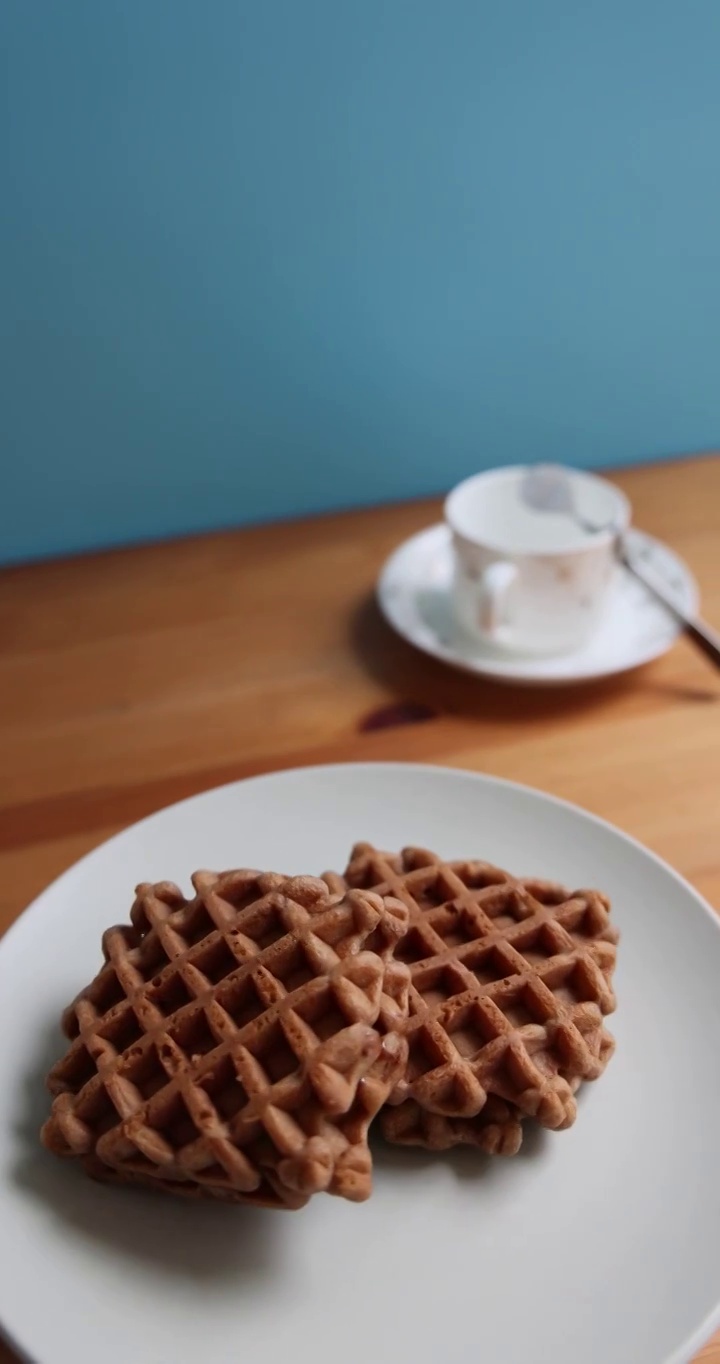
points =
(706, 639)
(703, 635)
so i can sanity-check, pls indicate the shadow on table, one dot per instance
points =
(429, 688)
(193, 1241)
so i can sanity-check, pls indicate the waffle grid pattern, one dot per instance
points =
(228, 1046)
(510, 980)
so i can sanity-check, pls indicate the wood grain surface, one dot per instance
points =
(131, 679)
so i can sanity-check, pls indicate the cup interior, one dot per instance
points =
(489, 510)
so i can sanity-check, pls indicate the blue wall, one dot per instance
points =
(269, 256)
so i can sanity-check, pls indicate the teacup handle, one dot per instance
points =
(493, 587)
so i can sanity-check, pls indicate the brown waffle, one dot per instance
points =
(510, 982)
(228, 1046)
(496, 1130)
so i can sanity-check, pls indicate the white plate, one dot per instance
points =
(600, 1245)
(414, 595)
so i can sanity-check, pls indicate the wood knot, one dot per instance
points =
(398, 713)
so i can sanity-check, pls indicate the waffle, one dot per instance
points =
(227, 1048)
(496, 1130)
(510, 981)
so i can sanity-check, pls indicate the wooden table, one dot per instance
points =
(134, 678)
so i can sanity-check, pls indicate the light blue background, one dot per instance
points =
(263, 257)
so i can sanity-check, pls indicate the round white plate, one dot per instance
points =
(600, 1245)
(414, 595)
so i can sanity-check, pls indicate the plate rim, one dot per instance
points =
(477, 667)
(686, 1349)
(467, 773)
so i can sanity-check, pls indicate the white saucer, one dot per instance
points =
(598, 1245)
(414, 595)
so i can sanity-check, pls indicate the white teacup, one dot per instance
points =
(533, 581)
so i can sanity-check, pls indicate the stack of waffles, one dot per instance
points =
(237, 1045)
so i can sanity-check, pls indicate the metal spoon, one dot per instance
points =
(548, 488)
